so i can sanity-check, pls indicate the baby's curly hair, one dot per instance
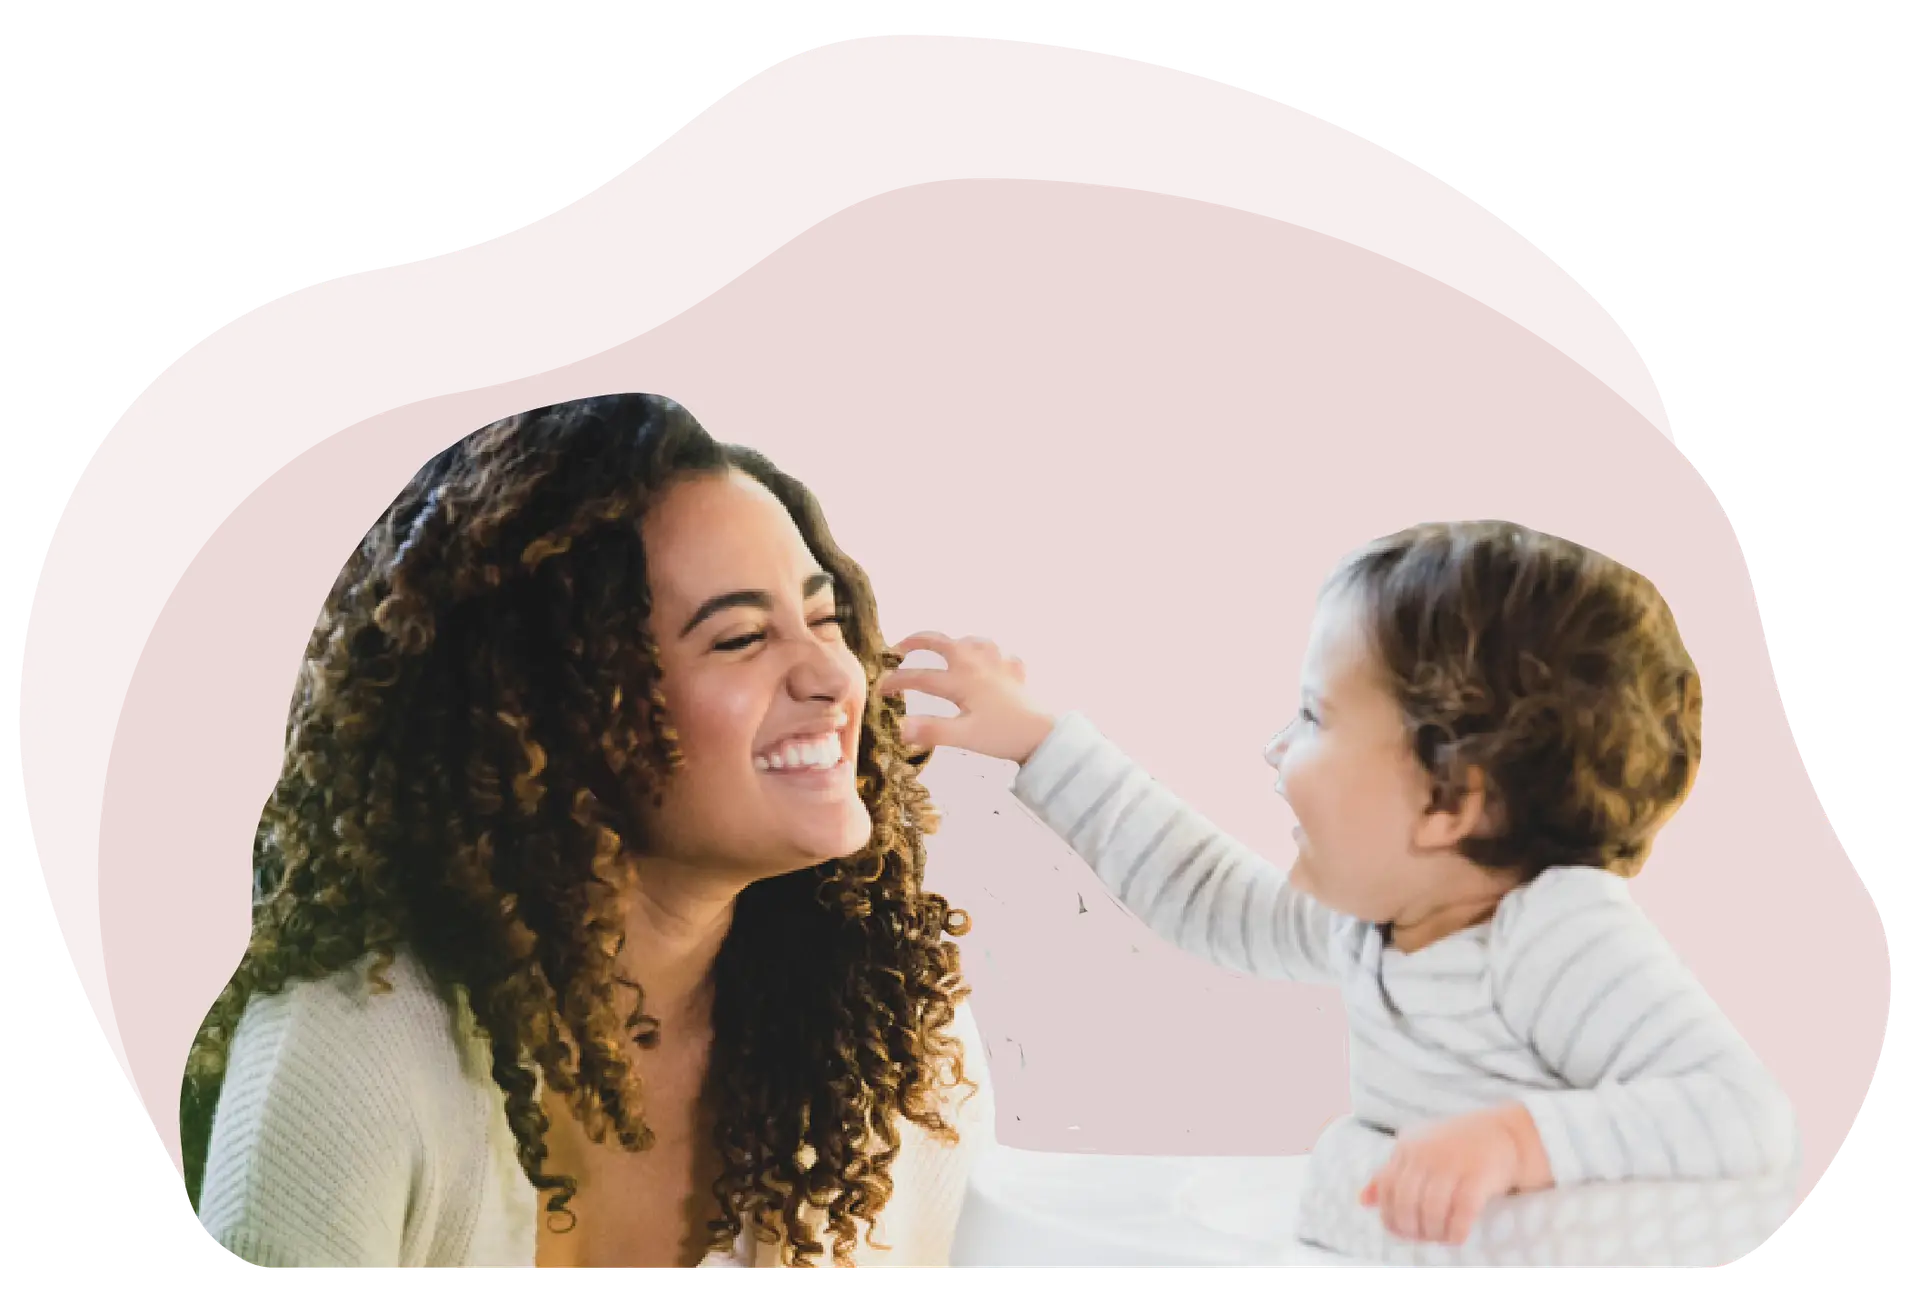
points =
(476, 727)
(1556, 671)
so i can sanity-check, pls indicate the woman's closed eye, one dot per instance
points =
(733, 644)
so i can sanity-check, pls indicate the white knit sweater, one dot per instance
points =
(364, 1129)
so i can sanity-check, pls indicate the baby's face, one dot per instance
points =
(1349, 774)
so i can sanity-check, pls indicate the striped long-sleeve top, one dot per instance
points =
(1567, 1000)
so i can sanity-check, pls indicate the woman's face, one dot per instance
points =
(764, 695)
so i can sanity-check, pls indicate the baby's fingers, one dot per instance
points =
(1437, 1202)
(930, 641)
(1402, 1207)
(931, 732)
(936, 681)
(1379, 1190)
(1468, 1203)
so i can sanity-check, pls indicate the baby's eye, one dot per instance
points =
(1306, 715)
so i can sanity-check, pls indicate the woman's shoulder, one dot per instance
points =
(964, 1028)
(366, 994)
(968, 1105)
(383, 1031)
(349, 1127)
(963, 1090)
(930, 1173)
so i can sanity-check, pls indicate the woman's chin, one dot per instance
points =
(826, 841)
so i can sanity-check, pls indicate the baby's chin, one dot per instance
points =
(1305, 878)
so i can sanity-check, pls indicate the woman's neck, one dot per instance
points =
(676, 921)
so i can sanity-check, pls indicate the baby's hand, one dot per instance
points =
(1439, 1178)
(997, 717)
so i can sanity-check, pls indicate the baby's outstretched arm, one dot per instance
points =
(1661, 1084)
(1190, 882)
(1193, 884)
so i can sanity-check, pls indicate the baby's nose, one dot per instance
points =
(1276, 749)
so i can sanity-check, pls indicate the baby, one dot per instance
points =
(1493, 725)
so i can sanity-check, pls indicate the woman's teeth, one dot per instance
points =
(817, 754)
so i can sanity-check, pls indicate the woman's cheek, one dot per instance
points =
(719, 719)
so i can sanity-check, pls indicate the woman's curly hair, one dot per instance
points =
(476, 727)
(1556, 671)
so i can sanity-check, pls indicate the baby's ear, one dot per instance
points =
(1452, 781)
(1459, 806)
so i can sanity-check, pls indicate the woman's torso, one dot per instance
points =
(647, 1208)
(393, 1096)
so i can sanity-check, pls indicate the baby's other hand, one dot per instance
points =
(1439, 1178)
(997, 716)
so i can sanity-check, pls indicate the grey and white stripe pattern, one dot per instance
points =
(1661, 1086)
(1191, 882)
(1568, 1000)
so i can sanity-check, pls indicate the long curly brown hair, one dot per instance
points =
(1555, 670)
(476, 727)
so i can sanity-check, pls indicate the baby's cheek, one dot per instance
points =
(1296, 785)
(1316, 788)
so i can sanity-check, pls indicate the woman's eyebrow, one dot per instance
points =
(759, 599)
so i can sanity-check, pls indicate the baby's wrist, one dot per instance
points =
(1033, 734)
(1532, 1168)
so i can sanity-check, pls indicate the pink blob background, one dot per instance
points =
(1124, 433)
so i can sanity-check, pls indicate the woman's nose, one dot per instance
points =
(818, 674)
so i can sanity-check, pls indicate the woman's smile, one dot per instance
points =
(825, 780)
(815, 762)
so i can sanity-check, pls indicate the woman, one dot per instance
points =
(592, 884)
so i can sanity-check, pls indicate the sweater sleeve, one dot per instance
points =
(1660, 1085)
(1191, 883)
(313, 1145)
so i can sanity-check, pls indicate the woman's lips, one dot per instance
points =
(795, 761)
(817, 778)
